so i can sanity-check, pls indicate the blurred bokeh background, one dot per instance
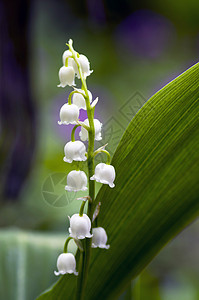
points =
(135, 48)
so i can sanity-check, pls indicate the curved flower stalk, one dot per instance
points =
(81, 224)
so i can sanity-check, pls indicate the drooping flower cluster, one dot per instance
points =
(81, 225)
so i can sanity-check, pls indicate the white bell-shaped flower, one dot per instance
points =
(74, 151)
(78, 99)
(66, 264)
(98, 127)
(66, 55)
(99, 238)
(80, 226)
(66, 76)
(69, 114)
(104, 174)
(76, 181)
(84, 64)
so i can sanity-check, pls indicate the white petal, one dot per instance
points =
(66, 263)
(105, 174)
(57, 273)
(84, 133)
(69, 114)
(80, 226)
(76, 181)
(75, 151)
(99, 238)
(67, 160)
(79, 100)
(65, 55)
(66, 76)
(85, 65)
(89, 235)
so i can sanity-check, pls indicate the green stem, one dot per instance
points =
(81, 212)
(79, 278)
(66, 62)
(96, 222)
(84, 86)
(86, 260)
(66, 244)
(71, 94)
(70, 97)
(83, 125)
(73, 133)
(82, 278)
(106, 152)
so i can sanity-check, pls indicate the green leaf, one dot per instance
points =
(27, 262)
(156, 192)
(146, 287)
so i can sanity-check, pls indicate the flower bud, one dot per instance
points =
(69, 114)
(84, 133)
(99, 238)
(66, 264)
(104, 174)
(80, 226)
(74, 151)
(66, 76)
(76, 181)
(79, 100)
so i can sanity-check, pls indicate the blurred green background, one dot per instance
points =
(135, 48)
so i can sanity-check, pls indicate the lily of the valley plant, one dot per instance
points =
(84, 229)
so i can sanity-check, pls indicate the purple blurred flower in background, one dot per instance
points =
(96, 12)
(17, 108)
(145, 33)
